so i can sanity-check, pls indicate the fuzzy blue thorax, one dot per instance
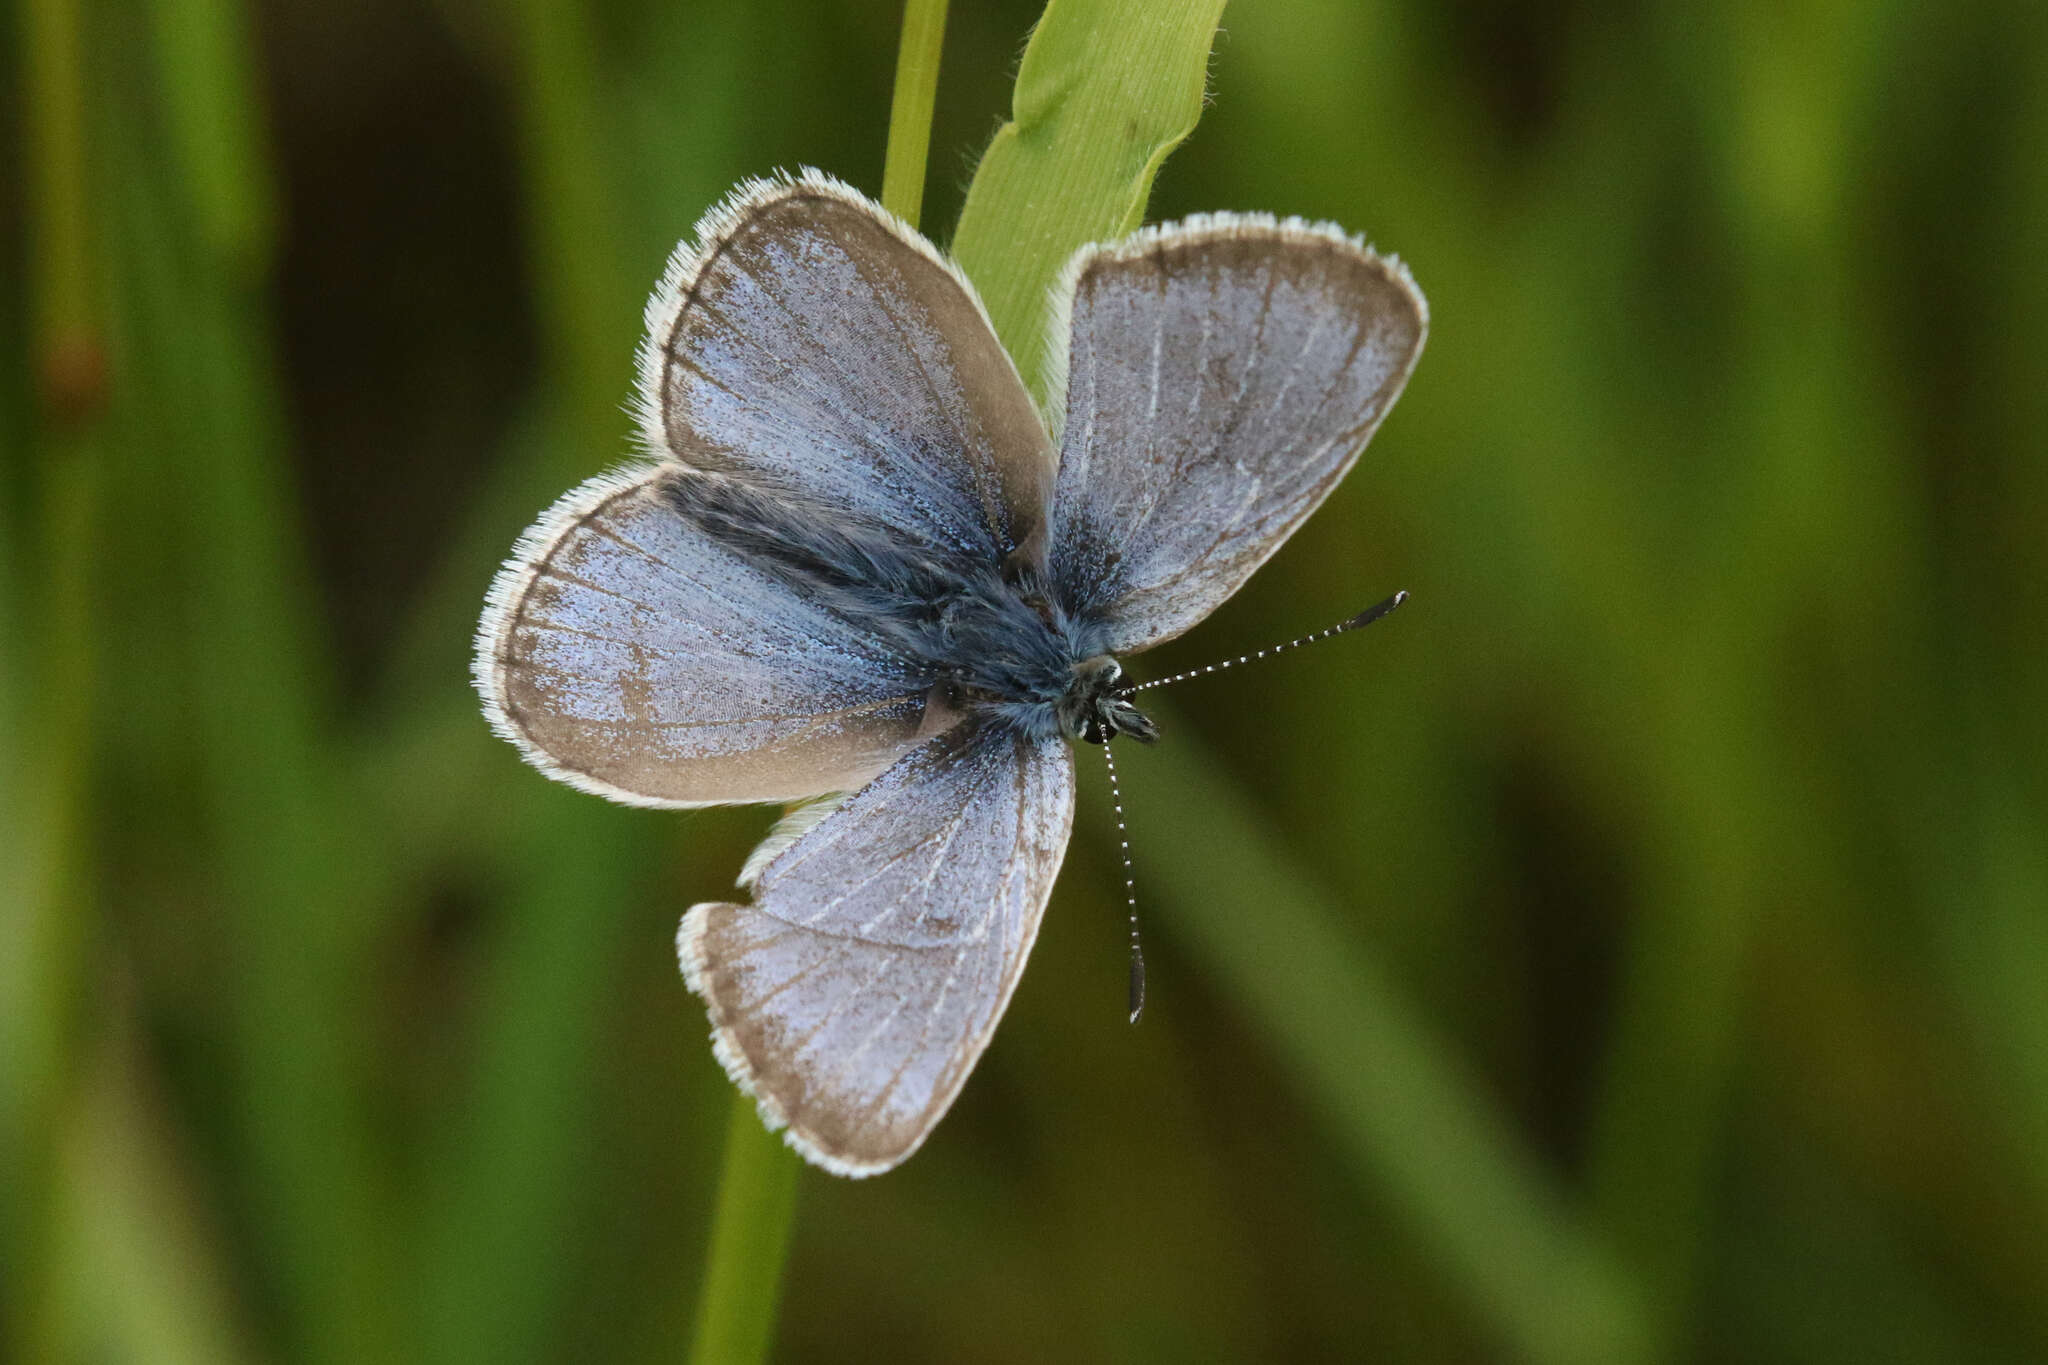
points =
(990, 639)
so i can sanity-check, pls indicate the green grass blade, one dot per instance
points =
(507, 1178)
(1400, 1106)
(219, 148)
(202, 427)
(1104, 94)
(910, 113)
(590, 304)
(520, 1140)
(48, 902)
(61, 239)
(749, 1240)
(146, 1274)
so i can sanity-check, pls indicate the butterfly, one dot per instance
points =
(862, 570)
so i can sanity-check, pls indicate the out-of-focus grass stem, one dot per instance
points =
(199, 404)
(587, 303)
(507, 1161)
(144, 1273)
(68, 343)
(219, 149)
(46, 904)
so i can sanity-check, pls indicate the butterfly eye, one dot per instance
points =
(1092, 731)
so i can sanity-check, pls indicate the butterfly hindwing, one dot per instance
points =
(855, 993)
(1221, 376)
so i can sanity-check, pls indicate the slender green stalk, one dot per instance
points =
(46, 903)
(146, 1274)
(46, 899)
(511, 1161)
(749, 1240)
(590, 308)
(219, 148)
(910, 113)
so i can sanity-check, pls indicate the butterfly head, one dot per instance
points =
(1091, 710)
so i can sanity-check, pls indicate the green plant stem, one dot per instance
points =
(589, 309)
(145, 1270)
(910, 113)
(219, 149)
(255, 699)
(47, 905)
(749, 1240)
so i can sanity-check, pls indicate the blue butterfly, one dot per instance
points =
(863, 571)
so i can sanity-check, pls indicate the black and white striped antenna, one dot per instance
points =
(1116, 794)
(1363, 619)
(1123, 841)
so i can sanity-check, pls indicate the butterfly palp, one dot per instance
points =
(1094, 708)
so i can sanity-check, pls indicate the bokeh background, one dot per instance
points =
(1635, 949)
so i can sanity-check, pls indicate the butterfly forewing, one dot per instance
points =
(813, 343)
(854, 995)
(1221, 377)
(629, 654)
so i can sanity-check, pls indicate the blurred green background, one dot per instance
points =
(1637, 949)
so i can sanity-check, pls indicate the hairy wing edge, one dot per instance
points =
(490, 660)
(508, 594)
(718, 227)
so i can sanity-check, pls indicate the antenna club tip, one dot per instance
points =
(1376, 611)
